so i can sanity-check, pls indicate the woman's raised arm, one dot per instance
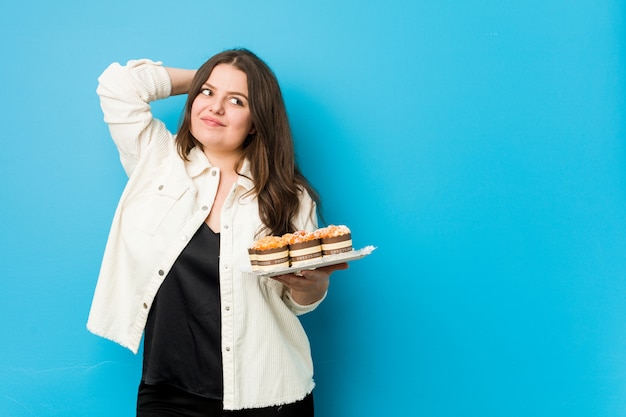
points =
(181, 79)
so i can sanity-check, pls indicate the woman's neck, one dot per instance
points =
(226, 162)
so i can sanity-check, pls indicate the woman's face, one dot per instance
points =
(220, 114)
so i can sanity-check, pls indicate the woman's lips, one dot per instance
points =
(212, 122)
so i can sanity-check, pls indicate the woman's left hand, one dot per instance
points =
(311, 285)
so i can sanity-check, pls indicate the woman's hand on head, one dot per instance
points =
(311, 285)
(181, 80)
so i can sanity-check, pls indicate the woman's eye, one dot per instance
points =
(206, 92)
(236, 101)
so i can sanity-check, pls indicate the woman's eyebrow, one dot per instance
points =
(228, 92)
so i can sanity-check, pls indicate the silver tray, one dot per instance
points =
(320, 262)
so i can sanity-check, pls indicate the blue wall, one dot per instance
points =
(480, 145)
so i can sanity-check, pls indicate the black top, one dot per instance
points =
(182, 344)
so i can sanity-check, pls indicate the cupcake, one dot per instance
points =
(268, 253)
(253, 259)
(335, 239)
(303, 247)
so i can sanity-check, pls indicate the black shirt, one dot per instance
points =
(182, 344)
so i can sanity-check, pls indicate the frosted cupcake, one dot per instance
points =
(335, 239)
(268, 253)
(303, 247)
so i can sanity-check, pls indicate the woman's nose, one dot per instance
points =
(216, 107)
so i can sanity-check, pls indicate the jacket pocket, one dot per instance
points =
(148, 209)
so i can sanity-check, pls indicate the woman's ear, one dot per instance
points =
(252, 131)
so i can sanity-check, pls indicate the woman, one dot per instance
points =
(175, 265)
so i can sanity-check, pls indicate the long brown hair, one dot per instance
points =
(277, 179)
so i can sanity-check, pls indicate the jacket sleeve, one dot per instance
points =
(305, 220)
(125, 93)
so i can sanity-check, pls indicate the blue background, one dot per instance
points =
(480, 145)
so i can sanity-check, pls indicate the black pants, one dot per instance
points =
(169, 401)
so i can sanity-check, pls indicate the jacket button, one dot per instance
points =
(161, 272)
(145, 305)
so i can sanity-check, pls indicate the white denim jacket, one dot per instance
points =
(266, 354)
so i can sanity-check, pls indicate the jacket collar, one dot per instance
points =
(198, 163)
(245, 176)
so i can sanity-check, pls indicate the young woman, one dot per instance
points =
(218, 340)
